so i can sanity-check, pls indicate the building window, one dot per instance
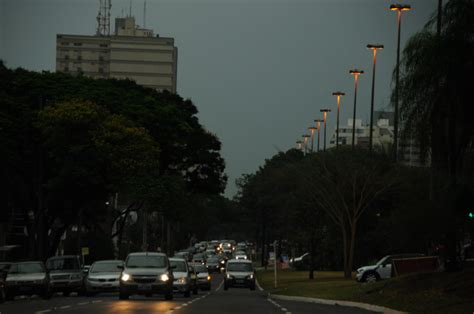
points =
(104, 45)
(101, 58)
(64, 44)
(79, 58)
(66, 57)
(77, 44)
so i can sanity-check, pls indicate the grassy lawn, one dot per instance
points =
(419, 293)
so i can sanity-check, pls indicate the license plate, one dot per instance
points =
(239, 281)
(144, 287)
(25, 288)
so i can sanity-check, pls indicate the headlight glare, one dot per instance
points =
(125, 277)
(164, 277)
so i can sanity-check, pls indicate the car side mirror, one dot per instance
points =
(120, 267)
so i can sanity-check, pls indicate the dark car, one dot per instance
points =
(27, 278)
(4, 267)
(214, 264)
(66, 274)
(199, 258)
(203, 278)
(239, 273)
(146, 273)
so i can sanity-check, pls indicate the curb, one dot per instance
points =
(364, 306)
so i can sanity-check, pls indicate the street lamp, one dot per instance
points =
(355, 73)
(399, 8)
(325, 116)
(338, 95)
(305, 143)
(312, 129)
(374, 48)
(318, 126)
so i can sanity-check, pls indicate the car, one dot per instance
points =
(382, 269)
(199, 258)
(103, 276)
(214, 264)
(146, 273)
(3, 294)
(182, 277)
(66, 274)
(301, 262)
(184, 254)
(203, 277)
(27, 278)
(240, 255)
(210, 252)
(4, 267)
(193, 275)
(239, 273)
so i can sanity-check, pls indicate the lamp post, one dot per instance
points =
(338, 95)
(399, 8)
(318, 126)
(312, 129)
(355, 73)
(305, 139)
(325, 116)
(374, 48)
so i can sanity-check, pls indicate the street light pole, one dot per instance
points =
(299, 145)
(374, 48)
(338, 95)
(305, 139)
(312, 129)
(399, 8)
(356, 74)
(325, 116)
(318, 126)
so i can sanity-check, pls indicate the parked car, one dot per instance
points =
(66, 274)
(3, 294)
(182, 277)
(4, 267)
(301, 262)
(381, 270)
(27, 278)
(199, 258)
(203, 277)
(184, 254)
(146, 273)
(103, 276)
(239, 273)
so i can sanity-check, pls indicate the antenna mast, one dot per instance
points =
(144, 14)
(103, 18)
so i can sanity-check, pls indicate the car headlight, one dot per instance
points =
(228, 276)
(164, 277)
(208, 278)
(222, 262)
(250, 276)
(125, 277)
(181, 280)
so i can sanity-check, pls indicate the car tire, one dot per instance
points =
(123, 296)
(187, 293)
(370, 276)
(169, 296)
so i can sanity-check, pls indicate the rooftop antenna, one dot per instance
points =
(130, 12)
(103, 18)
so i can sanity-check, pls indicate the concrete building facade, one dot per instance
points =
(132, 52)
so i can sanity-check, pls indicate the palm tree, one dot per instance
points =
(436, 103)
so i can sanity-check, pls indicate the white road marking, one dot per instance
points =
(169, 312)
(96, 301)
(258, 285)
(185, 304)
(283, 309)
(44, 311)
(178, 308)
(82, 303)
(64, 307)
(219, 287)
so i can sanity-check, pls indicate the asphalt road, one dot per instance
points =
(235, 300)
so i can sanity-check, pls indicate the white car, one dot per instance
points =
(241, 255)
(381, 270)
(103, 276)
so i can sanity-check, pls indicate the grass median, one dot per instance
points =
(418, 293)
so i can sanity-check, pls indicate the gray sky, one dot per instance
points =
(258, 70)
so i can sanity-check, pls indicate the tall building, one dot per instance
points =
(131, 52)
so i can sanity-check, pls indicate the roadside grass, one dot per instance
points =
(417, 293)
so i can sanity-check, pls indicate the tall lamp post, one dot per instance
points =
(399, 8)
(325, 116)
(374, 48)
(305, 143)
(355, 73)
(338, 95)
(318, 126)
(312, 129)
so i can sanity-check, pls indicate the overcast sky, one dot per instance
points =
(259, 71)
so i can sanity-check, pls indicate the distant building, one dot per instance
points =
(382, 132)
(132, 52)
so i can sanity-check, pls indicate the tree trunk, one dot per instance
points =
(348, 271)
(311, 257)
(345, 251)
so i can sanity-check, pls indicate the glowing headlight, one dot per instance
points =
(208, 278)
(164, 277)
(181, 280)
(228, 276)
(222, 262)
(125, 277)
(251, 276)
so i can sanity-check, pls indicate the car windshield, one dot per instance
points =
(180, 265)
(102, 267)
(244, 267)
(200, 268)
(198, 256)
(69, 263)
(146, 261)
(240, 253)
(26, 268)
(382, 261)
(213, 260)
